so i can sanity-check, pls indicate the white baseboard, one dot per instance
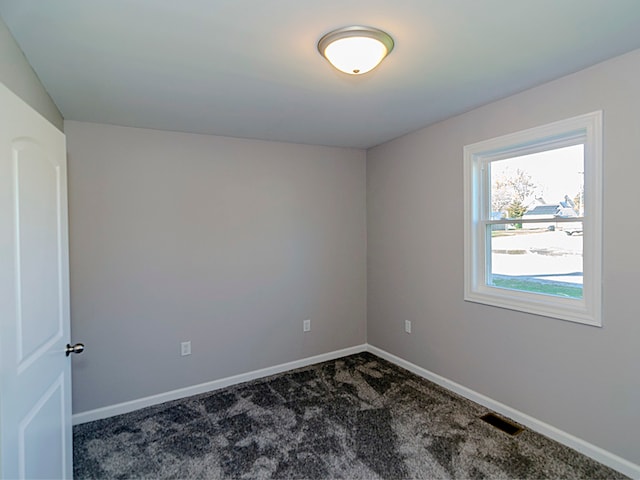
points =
(599, 454)
(126, 407)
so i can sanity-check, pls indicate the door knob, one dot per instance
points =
(77, 348)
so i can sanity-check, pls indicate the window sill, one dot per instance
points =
(545, 305)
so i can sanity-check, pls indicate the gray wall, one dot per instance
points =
(19, 77)
(226, 242)
(581, 379)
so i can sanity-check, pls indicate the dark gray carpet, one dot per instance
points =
(357, 417)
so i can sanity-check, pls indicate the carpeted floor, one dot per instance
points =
(357, 417)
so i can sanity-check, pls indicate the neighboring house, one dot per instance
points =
(498, 216)
(563, 209)
(549, 211)
(568, 210)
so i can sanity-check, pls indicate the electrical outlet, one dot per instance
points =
(185, 348)
(407, 326)
(306, 326)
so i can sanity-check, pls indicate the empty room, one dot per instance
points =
(347, 239)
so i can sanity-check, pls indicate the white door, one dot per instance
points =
(35, 383)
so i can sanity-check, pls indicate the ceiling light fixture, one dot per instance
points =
(355, 50)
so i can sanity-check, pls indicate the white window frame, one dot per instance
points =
(585, 129)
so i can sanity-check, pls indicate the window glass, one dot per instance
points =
(541, 257)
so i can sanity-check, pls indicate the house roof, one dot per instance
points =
(543, 210)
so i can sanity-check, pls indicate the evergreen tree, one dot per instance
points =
(516, 210)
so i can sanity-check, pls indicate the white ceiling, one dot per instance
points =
(250, 68)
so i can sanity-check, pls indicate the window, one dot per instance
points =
(533, 203)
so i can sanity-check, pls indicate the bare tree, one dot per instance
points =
(578, 201)
(511, 188)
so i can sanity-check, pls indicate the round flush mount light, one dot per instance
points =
(355, 50)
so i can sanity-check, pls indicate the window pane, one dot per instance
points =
(536, 259)
(540, 185)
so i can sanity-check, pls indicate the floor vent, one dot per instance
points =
(502, 424)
